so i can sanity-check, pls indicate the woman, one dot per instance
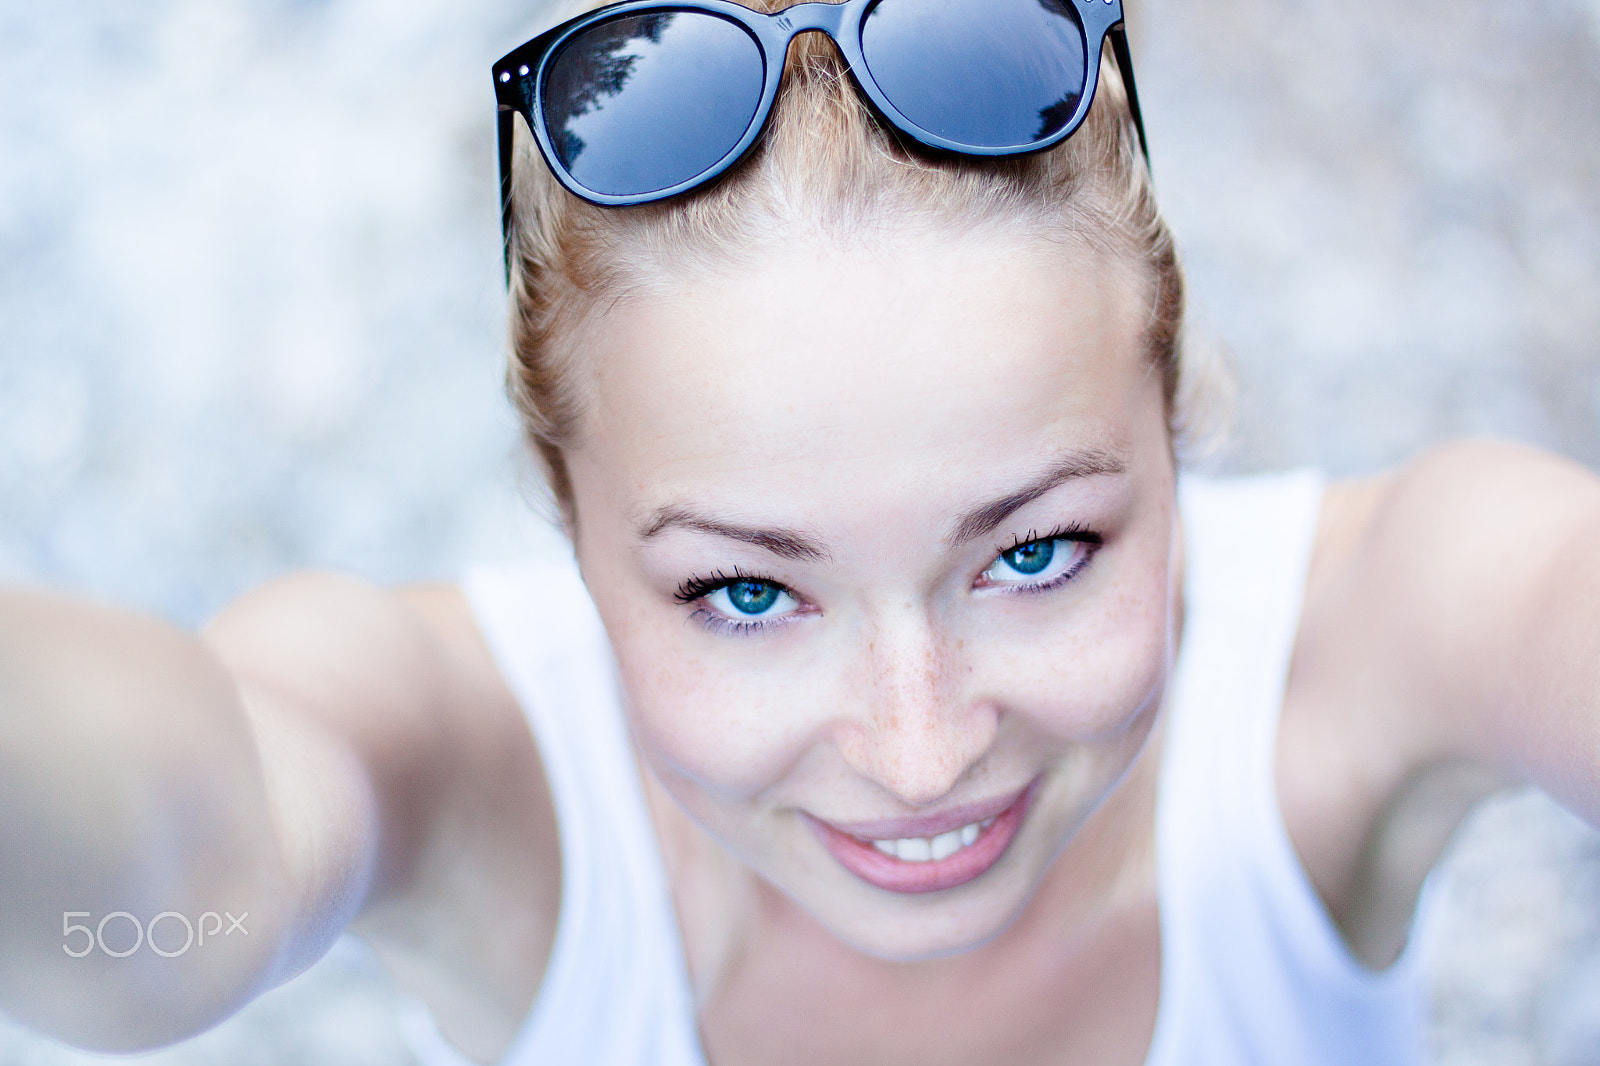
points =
(867, 459)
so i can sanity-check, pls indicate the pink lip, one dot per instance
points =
(849, 844)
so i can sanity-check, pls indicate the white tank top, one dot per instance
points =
(1253, 971)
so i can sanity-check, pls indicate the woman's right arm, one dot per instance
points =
(260, 783)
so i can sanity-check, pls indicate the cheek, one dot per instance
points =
(729, 732)
(1093, 677)
(727, 717)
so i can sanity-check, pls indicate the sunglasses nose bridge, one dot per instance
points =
(811, 17)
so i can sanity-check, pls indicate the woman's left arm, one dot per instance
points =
(1450, 645)
(1486, 559)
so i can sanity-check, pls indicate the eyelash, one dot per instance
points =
(696, 587)
(1072, 532)
(718, 623)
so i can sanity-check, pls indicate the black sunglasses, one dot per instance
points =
(642, 100)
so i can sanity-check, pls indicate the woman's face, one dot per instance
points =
(883, 539)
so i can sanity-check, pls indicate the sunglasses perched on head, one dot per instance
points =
(643, 100)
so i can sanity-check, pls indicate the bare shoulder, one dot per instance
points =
(355, 654)
(1485, 560)
(1451, 499)
(464, 893)
(1445, 569)
(1443, 493)
(1448, 541)
(1444, 599)
(1436, 589)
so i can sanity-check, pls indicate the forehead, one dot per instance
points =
(812, 361)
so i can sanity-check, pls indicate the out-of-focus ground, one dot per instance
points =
(250, 319)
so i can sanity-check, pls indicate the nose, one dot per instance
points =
(912, 727)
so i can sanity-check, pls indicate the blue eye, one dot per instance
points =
(1040, 563)
(1030, 558)
(752, 598)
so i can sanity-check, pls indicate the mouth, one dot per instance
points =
(927, 854)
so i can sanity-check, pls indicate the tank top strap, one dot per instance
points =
(616, 989)
(1253, 968)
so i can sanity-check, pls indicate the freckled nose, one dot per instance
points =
(913, 728)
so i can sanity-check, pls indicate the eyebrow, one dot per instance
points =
(784, 543)
(793, 544)
(986, 519)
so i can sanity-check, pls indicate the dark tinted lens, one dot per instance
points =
(643, 102)
(984, 73)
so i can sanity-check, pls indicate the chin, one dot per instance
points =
(927, 927)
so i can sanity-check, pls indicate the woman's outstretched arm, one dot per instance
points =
(133, 783)
(186, 821)
(465, 884)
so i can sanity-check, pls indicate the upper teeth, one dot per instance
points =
(932, 849)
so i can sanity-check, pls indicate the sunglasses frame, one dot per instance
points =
(520, 75)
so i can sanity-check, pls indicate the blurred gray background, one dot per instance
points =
(250, 320)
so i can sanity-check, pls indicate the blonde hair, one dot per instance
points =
(826, 162)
